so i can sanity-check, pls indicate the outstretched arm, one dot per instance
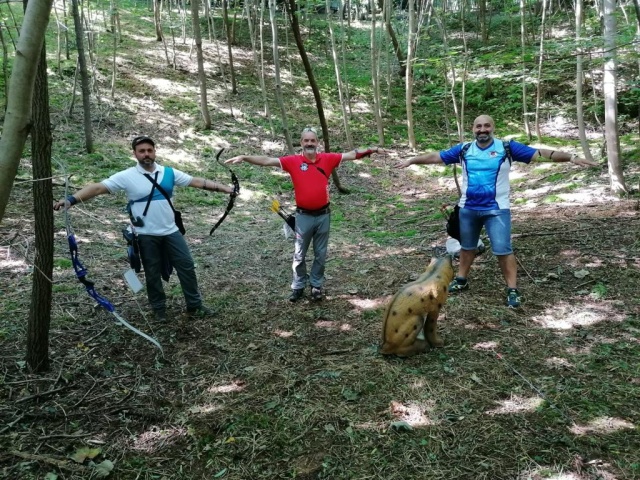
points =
(432, 158)
(210, 185)
(358, 154)
(82, 195)
(556, 156)
(260, 160)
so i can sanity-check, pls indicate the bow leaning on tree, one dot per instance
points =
(232, 195)
(81, 273)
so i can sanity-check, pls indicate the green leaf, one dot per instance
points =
(83, 453)
(103, 469)
(220, 473)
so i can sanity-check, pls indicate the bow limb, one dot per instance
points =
(136, 331)
(81, 272)
(232, 195)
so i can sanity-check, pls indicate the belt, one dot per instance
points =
(314, 213)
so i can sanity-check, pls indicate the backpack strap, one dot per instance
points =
(506, 145)
(507, 150)
(463, 151)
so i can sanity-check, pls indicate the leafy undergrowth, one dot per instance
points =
(269, 389)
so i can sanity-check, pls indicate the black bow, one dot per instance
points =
(232, 195)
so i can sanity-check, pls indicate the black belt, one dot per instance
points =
(314, 213)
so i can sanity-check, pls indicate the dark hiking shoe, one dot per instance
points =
(200, 312)
(513, 298)
(296, 294)
(160, 315)
(458, 284)
(316, 293)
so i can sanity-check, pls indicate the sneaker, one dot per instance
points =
(200, 312)
(316, 293)
(160, 315)
(513, 298)
(296, 294)
(458, 284)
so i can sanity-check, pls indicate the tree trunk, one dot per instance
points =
(278, 83)
(204, 104)
(523, 44)
(375, 77)
(225, 17)
(402, 62)
(616, 177)
(84, 77)
(37, 356)
(292, 9)
(409, 74)
(579, 82)
(253, 33)
(334, 54)
(540, 61)
(18, 115)
(156, 19)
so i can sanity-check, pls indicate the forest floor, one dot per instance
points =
(268, 389)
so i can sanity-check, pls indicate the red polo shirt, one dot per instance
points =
(311, 180)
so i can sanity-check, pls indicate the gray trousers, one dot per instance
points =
(152, 251)
(308, 229)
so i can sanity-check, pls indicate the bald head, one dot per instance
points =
(483, 128)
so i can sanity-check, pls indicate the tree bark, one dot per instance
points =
(375, 76)
(609, 83)
(84, 77)
(18, 114)
(204, 104)
(225, 17)
(523, 44)
(402, 61)
(579, 81)
(37, 355)
(540, 62)
(336, 65)
(156, 19)
(409, 74)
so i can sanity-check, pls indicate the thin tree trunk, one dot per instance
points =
(84, 78)
(402, 61)
(157, 6)
(609, 83)
(375, 80)
(204, 104)
(262, 75)
(579, 82)
(17, 120)
(411, 34)
(37, 355)
(540, 61)
(225, 17)
(523, 45)
(114, 31)
(259, 65)
(278, 84)
(334, 53)
(344, 64)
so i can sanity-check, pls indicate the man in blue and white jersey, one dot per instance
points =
(485, 196)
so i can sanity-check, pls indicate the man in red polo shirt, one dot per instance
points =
(310, 174)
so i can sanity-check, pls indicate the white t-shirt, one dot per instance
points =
(159, 219)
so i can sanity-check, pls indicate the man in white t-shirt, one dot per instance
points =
(159, 237)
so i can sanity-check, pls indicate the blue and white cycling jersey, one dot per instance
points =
(485, 172)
